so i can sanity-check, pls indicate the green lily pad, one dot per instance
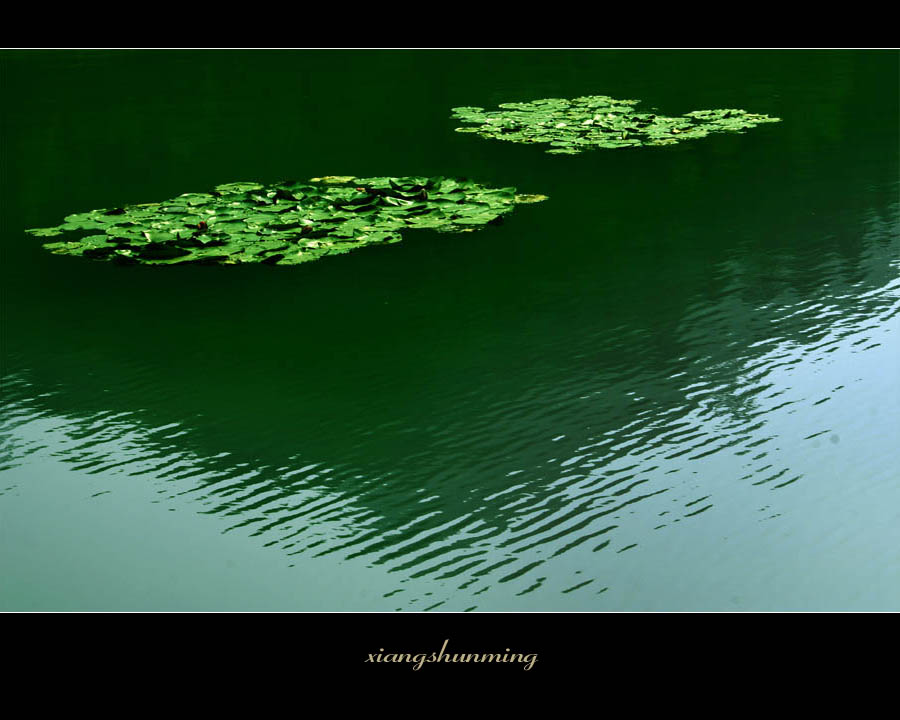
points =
(572, 126)
(284, 224)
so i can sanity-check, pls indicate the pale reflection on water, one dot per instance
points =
(740, 440)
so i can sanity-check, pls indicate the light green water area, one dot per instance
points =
(673, 385)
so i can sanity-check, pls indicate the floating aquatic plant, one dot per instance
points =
(572, 126)
(285, 224)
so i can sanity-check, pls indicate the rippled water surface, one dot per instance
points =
(673, 386)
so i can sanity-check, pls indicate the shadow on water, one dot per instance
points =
(483, 414)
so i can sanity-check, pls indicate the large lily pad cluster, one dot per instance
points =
(572, 126)
(284, 224)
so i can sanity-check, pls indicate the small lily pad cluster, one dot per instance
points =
(572, 126)
(285, 224)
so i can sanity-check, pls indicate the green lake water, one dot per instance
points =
(674, 385)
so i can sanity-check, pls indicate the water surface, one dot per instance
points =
(672, 386)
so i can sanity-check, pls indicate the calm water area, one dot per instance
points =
(674, 385)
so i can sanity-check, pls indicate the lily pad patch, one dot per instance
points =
(285, 224)
(573, 126)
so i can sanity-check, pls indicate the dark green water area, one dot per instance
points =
(673, 385)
